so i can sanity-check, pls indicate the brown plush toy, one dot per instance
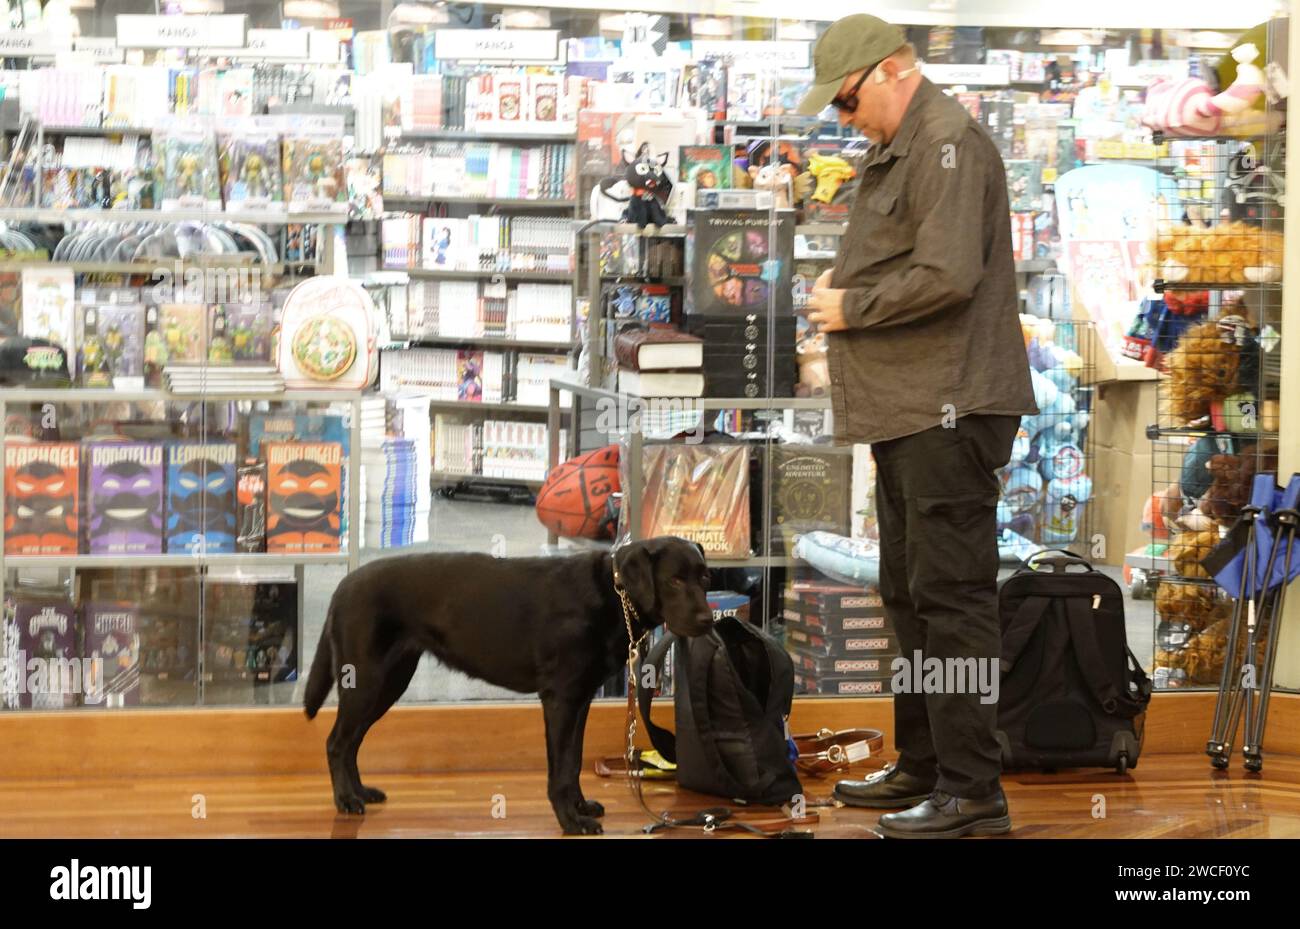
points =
(1233, 475)
(1197, 605)
(1188, 548)
(1202, 368)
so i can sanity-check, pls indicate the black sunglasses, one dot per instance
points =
(849, 102)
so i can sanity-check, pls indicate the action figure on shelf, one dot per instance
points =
(189, 181)
(254, 176)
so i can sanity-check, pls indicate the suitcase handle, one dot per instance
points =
(1060, 561)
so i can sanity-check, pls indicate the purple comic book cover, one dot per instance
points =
(47, 656)
(126, 498)
(112, 643)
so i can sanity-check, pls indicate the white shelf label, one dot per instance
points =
(1146, 73)
(776, 54)
(984, 75)
(498, 44)
(225, 30)
(29, 45)
(100, 51)
(276, 44)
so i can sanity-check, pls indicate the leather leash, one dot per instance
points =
(710, 820)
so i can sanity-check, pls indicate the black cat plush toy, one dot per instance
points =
(643, 186)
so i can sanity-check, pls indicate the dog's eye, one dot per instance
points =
(677, 582)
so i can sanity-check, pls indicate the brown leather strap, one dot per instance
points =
(822, 740)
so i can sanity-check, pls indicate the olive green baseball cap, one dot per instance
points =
(850, 44)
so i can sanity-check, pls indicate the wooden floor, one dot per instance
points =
(1168, 796)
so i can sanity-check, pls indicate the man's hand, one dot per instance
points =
(826, 305)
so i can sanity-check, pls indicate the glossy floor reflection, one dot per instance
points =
(1168, 796)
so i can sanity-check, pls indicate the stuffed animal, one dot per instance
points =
(829, 171)
(1229, 253)
(1190, 107)
(1187, 548)
(1231, 479)
(777, 178)
(647, 187)
(1194, 605)
(1202, 368)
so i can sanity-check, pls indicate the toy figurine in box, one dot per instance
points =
(250, 165)
(111, 344)
(40, 498)
(126, 498)
(313, 165)
(304, 496)
(201, 497)
(188, 158)
(239, 332)
(644, 186)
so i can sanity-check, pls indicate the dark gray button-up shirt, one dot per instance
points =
(932, 301)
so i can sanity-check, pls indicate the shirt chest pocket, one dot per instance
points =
(885, 230)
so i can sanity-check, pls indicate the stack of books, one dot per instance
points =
(659, 362)
(222, 379)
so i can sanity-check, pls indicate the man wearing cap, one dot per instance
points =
(928, 366)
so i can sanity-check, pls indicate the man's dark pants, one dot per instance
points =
(936, 505)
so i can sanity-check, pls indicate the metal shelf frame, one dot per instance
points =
(631, 494)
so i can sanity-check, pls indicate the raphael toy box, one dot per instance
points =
(125, 498)
(201, 497)
(40, 498)
(740, 261)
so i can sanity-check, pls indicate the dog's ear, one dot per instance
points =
(636, 571)
(701, 551)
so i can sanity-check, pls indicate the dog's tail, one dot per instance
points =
(320, 680)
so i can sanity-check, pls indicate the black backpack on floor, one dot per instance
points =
(732, 692)
(1072, 693)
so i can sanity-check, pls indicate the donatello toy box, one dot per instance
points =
(740, 262)
(125, 498)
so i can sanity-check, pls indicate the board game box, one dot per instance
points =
(304, 499)
(125, 498)
(41, 498)
(201, 497)
(810, 491)
(740, 261)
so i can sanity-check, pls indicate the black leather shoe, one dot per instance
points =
(943, 816)
(885, 790)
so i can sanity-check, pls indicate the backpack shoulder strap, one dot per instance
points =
(665, 742)
(1021, 627)
(1083, 635)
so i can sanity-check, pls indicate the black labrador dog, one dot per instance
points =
(551, 626)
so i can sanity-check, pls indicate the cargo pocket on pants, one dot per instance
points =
(955, 539)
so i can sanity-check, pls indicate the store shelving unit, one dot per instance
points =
(200, 562)
(451, 482)
(1241, 376)
(587, 399)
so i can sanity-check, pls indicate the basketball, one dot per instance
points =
(572, 501)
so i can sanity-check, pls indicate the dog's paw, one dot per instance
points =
(582, 825)
(350, 803)
(590, 808)
(373, 795)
